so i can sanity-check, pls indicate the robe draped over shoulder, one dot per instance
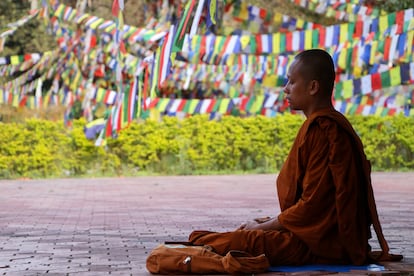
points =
(322, 190)
(326, 201)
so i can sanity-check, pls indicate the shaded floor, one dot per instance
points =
(108, 226)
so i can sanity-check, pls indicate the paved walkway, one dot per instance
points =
(108, 226)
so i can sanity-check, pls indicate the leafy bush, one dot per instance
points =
(41, 148)
(33, 149)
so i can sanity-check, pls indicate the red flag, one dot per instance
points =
(108, 127)
(115, 8)
(376, 81)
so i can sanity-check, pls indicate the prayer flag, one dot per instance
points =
(366, 87)
(347, 89)
(376, 81)
(395, 76)
(276, 43)
(211, 13)
(115, 8)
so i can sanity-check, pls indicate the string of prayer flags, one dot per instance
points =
(295, 41)
(347, 11)
(269, 105)
(399, 75)
(18, 59)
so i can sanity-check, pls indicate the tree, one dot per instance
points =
(32, 38)
(391, 5)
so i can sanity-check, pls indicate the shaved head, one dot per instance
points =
(317, 64)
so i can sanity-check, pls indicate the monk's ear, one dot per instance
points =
(313, 87)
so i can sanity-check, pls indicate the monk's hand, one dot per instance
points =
(271, 224)
(250, 225)
(262, 219)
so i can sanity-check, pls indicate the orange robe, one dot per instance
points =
(322, 190)
(325, 197)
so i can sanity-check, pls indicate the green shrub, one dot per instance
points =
(33, 149)
(40, 148)
(388, 141)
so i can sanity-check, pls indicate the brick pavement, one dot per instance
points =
(108, 226)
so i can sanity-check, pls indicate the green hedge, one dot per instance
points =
(41, 149)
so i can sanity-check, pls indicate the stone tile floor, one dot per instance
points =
(104, 226)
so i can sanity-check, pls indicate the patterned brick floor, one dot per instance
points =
(108, 226)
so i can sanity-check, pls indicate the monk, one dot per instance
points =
(324, 187)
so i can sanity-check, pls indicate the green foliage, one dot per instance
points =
(395, 5)
(87, 159)
(40, 148)
(176, 146)
(388, 140)
(33, 149)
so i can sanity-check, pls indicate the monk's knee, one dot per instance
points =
(251, 241)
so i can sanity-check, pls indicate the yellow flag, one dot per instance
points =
(232, 92)
(379, 110)
(59, 10)
(80, 19)
(343, 32)
(347, 89)
(308, 39)
(244, 40)
(395, 76)
(330, 12)
(364, 100)
(224, 105)
(75, 82)
(162, 104)
(276, 43)
(213, 7)
(300, 23)
(357, 71)
(277, 18)
(231, 60)
(410, 37)
(100, 95)
(14, 60)
(218, 44)
(258, 104)
(97, 23)
(270, 80)
(374, 47)
(383, 23)
(15, 101)
(342, 59)
(193, 105)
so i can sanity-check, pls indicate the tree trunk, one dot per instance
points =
(81, 6)
(34, 5)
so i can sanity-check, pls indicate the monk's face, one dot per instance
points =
(297, 88)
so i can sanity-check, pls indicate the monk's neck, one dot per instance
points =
(308, 113)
